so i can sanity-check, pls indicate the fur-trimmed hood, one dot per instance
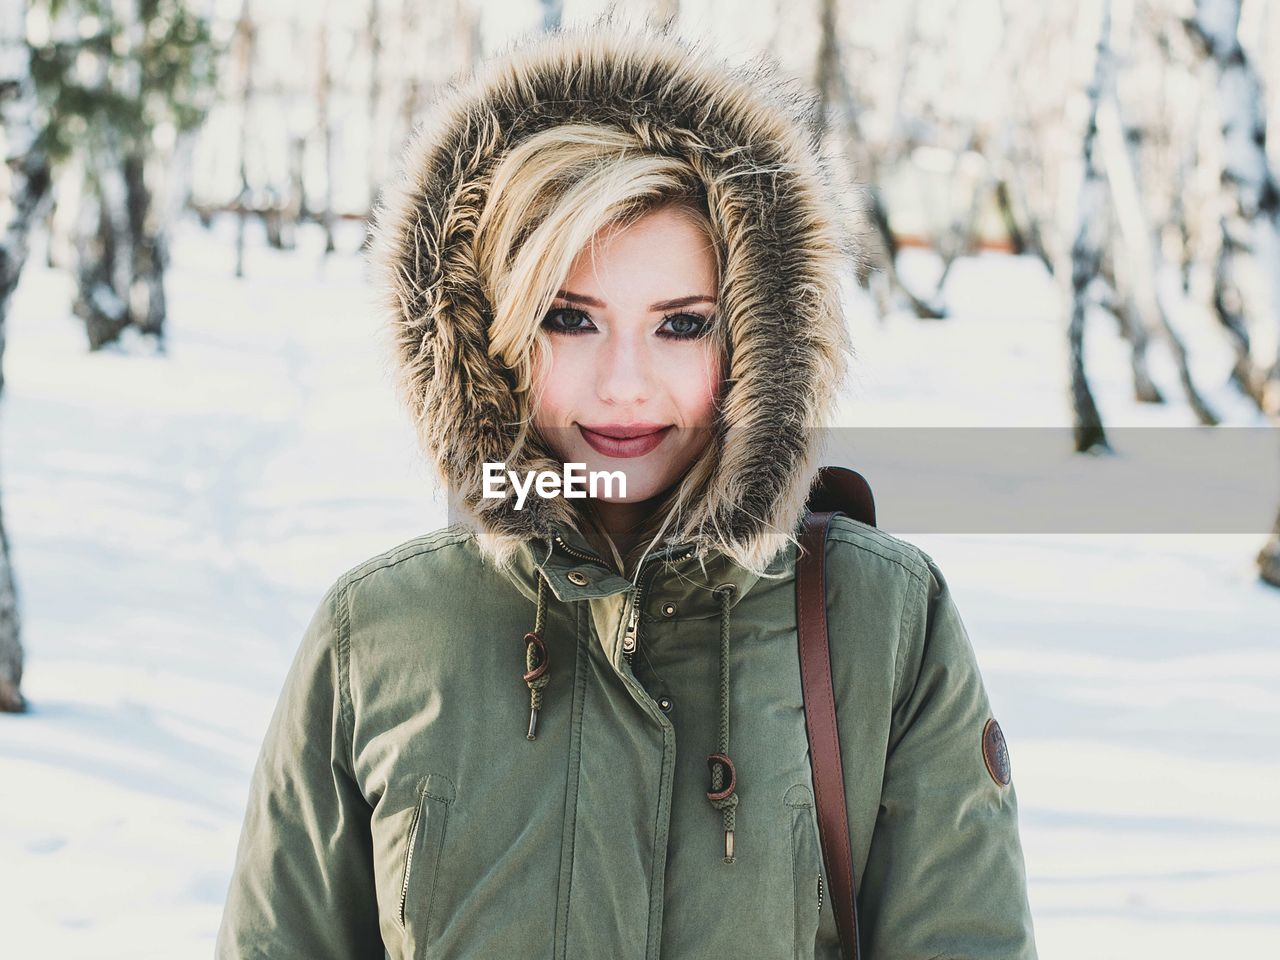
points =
(786, 238)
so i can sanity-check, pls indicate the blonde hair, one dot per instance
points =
(549, 197)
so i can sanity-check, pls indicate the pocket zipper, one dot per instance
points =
(819, 893)
(408, 858)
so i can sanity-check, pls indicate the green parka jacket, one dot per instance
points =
(398, 807)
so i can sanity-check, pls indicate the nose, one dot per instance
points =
(624, 375)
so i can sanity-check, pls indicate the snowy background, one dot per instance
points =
(174, 520)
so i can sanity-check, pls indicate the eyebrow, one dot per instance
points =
(660, 305)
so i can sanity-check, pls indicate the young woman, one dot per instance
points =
(572, 727)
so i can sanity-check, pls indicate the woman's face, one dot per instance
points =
(628, 355)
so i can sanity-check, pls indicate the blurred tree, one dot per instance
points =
(324, 125)
(835, 94)
(1087, 248)
(242, 48)
(28, 165)
(1251, 222)
(120, 82)
(552, 12)
(1137, 258)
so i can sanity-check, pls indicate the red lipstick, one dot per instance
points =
(624, 440)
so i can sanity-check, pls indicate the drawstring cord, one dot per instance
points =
(536, 661)
(724, 798)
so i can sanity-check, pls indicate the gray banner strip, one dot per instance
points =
(1029, 479)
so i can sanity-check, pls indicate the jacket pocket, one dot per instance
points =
(806, 868)
(422, 859)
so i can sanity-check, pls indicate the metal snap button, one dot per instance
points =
(668, 609)
(579, 578)
(665, 704)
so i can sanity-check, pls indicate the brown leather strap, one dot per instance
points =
(824, 736)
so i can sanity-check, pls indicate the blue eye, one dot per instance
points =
(700, 326)
(556, 327)
(571, 322)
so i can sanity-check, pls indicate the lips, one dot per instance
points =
(625, 442)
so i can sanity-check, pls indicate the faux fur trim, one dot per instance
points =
(789, 235)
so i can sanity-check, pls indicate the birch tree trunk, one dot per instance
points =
(1144, 251)
(243, 47)
(119, 253)
(29, 180)
(149, 256)
(1268, 558)
(324, 125)
(1249, 184)
(833, 89)
(1087, 250)
(1140, 264)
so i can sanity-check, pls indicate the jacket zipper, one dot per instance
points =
(819, 893)
(575, 552)
(408, 858)
(632, 635)
(633, 625)
(631, 639)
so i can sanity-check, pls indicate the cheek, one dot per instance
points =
(695, 387)
(552, 386)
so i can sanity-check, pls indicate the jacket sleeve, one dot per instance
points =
(303, 882)
(945, 877)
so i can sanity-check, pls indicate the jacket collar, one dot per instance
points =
(671, 574)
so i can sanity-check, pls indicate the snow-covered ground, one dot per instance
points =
(173, 520)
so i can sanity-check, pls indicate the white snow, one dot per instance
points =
(174, 519)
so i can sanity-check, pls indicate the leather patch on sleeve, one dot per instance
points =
(996, 753)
